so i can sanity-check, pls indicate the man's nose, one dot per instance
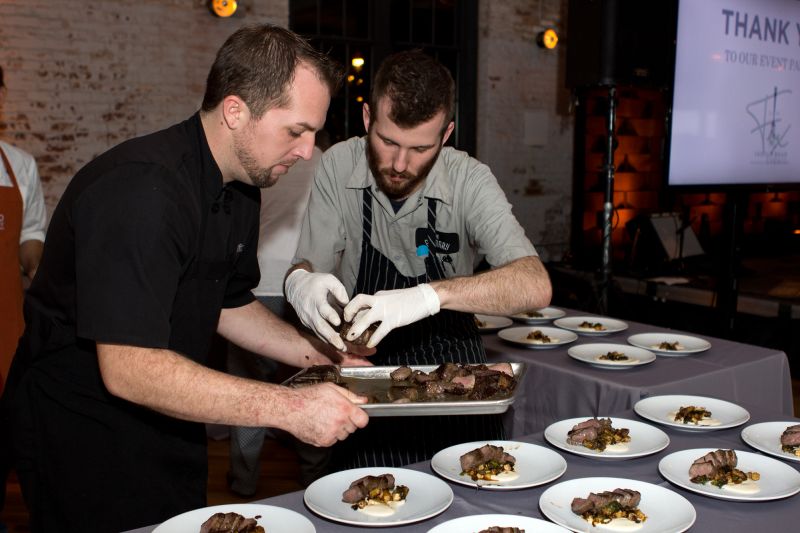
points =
(305, 148)
(400, 161)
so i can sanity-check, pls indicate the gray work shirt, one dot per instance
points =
(472, 205)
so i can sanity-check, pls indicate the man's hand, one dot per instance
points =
(326, 413)
(392, 309)
(308, 293)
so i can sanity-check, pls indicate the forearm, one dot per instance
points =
(303, 265)
(30, 253)
(520, 285)
(256, 329)
(169, 383)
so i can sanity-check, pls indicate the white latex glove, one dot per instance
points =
(308, 293)
(392, 309)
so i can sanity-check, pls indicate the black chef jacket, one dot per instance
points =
(145, 248)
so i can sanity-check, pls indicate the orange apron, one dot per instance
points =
(11, 321)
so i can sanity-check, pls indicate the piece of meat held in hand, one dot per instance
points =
(230, 523)
(603, 507)
(358, 346)
(486, 463)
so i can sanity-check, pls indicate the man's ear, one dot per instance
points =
(448, 131)
(365, 115)
(235, 112)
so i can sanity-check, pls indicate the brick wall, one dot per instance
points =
(519, 80)
(84, 76)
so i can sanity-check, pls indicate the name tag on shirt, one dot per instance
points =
(440, 243)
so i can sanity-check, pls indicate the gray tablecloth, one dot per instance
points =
(557, 386)
(713, 515)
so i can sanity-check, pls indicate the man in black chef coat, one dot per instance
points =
(152, 249)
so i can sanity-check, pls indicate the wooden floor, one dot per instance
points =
(279, 475)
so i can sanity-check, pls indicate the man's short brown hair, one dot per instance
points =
(417, 86)
(257, 63)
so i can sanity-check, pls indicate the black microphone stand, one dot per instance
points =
(608, 203)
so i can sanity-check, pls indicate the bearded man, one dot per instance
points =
(397, 221)
(152, 249)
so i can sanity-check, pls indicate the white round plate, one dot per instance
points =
(427, 496)
(493, 323)
(518, 336)
(766, 437)
(610, 325)
(548, 314)
(478, 522)
(666, 511)
(778, 480)
(645, 439)
(590, 353)
(273, 519)
(651, 341)
(536, 465)
(659, 408)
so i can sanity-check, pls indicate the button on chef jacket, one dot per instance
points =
(145, 248)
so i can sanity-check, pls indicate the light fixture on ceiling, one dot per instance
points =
(357, 62)
(223, 8)
(547, 39)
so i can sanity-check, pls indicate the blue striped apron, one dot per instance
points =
(447, 336)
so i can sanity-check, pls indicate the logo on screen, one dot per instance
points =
(770, 128)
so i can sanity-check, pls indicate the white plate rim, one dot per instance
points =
(634, 340)
(552, 314)
(399, 474)
(505, 334)
(177, 524)
(586, 484)
(476, 521)
(549, 435)
(563, 323)
(572, 351)
(508, 446)
(776, 452)
(713, 492)
(690, 399)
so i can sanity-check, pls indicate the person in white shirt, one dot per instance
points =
(23, 220)
(22, 226)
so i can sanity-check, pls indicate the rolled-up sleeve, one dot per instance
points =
(497, 233)
(34, 214)
(322, 238)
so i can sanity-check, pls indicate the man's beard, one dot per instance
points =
(397, 191)
(259, 176)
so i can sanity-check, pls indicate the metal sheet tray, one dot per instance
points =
(371, 376)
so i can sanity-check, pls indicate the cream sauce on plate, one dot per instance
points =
(553, 340)
(628, 361)
(378, 509)
(703, 422)
(745, 487)
(619, 524)
(503, 477)
(620, 447)
(678, 347)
